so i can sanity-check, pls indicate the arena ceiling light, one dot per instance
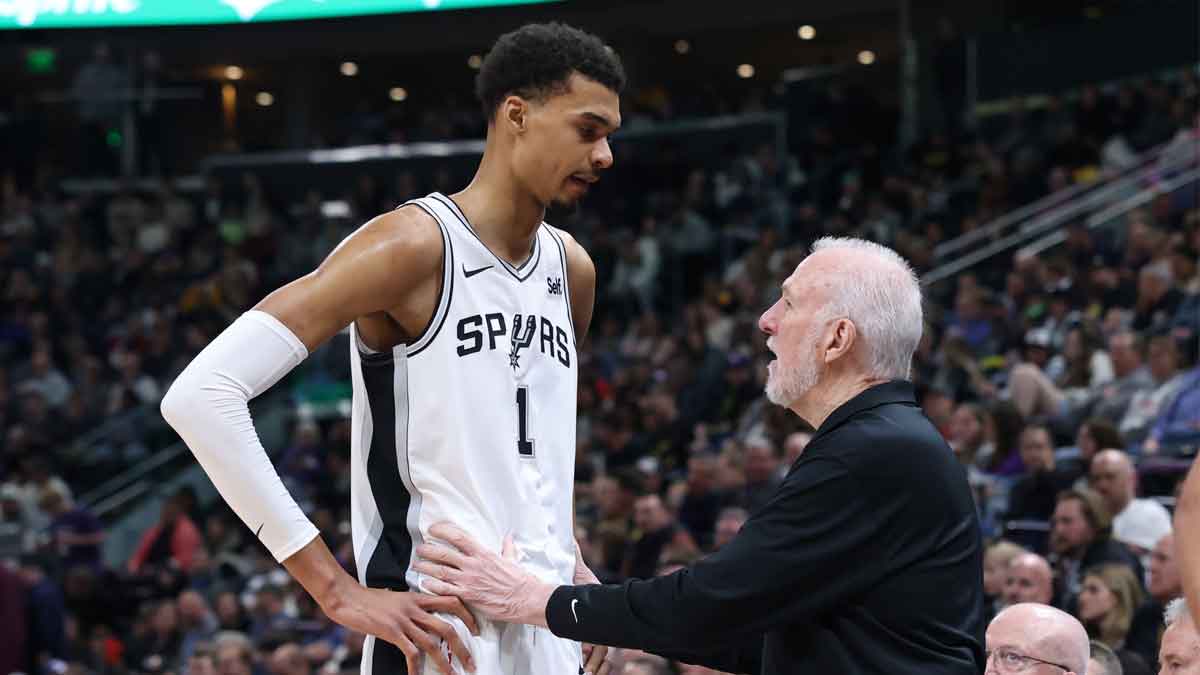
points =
(745, 71)
(682, 46)
(105, 13)
(474, 61)
(806, 32)
(264, 98)
(397, 94)
(866, 57)
(349, 68)
(234, 73)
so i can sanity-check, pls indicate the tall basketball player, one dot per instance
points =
(465, 312)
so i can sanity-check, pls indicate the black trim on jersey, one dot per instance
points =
(447, 293)
(386, 658)
(534, 255)
(389, 561)
(562, 256)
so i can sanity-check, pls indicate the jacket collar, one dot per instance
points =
(894, 391)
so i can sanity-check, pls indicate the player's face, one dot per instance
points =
(564, 146)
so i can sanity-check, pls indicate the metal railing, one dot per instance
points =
(1137, 171)
(1035, 220)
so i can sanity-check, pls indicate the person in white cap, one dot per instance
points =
(1137, 523)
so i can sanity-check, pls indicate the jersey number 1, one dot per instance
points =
(524, 443)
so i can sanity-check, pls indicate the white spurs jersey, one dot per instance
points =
(474, 422)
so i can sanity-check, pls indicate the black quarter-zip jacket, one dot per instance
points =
(868, 559)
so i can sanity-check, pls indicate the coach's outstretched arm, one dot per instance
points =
(389, 263)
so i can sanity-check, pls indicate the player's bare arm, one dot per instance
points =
(386, 277)
(581, 276)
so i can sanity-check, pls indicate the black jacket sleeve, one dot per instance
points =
(745, 658)
(800, 555)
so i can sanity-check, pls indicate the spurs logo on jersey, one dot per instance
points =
(473, 422)
(477, 330)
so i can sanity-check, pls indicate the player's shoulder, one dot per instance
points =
(408, 235)
(579, 263)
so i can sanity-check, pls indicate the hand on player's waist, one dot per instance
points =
(493, 584)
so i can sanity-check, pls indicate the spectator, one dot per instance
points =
(46, 379)
(996, 560)
(702, 500)
(1138, 523)
(658, 535)
(968, 436)
(793, 447)
(172, 541)
(1034, 495)
(1108, 599)
(230, 617)
(1007, 424)
(1029, 579)
(762, 474)
(1179, 653)
(15, 647)
(1180, 420)
(1094, 435)
(46, 638)
(270, 618)
(76, 534)
(1164, 586)
(729, 522)
(1157, 298)
(1127, 352)
(1080, 538)
(1103, 660)
(158, 650)
(201, 662)
(614, 496)
(197, 623)
(234, 654)
(288, 659)
(1025, 636)
(1164, 366)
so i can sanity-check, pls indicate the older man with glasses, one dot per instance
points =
(1033, 639)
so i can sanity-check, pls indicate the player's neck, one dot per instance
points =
(503, 214)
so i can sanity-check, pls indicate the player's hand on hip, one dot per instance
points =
(406, 620)
(595, 660)
(494, 584)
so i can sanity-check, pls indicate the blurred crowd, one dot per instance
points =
(1058, 379)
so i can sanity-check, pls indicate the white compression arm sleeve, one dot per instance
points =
(208, 407)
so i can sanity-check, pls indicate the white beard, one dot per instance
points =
(785, 387)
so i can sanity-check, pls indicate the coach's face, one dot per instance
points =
(562, 141)
(795, 326)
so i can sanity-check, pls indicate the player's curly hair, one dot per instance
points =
(536, 60)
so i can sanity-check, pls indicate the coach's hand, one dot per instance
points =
(493, 584)
(405, 620)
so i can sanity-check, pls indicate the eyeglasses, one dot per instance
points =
(1012, 662)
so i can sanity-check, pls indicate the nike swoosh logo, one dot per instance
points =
(573, 603)
(474, 272)
(260, 527)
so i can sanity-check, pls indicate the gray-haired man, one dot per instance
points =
(1180, 650)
